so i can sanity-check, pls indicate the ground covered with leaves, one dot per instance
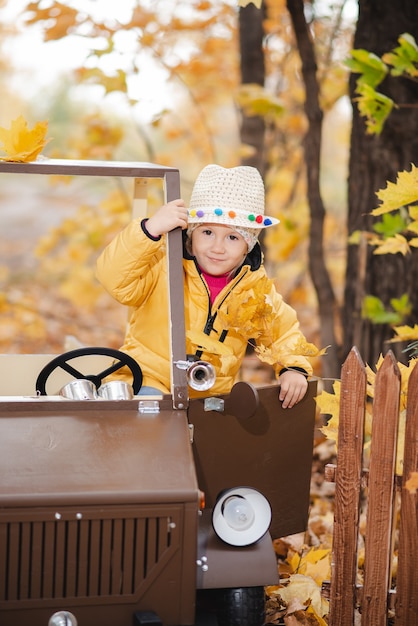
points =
(304, 559)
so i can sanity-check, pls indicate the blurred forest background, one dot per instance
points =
(158, 82)
(190, 82)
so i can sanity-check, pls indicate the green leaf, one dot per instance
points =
(374, 106)
(374, 310)
(371, 68)
(402, 305)
(404, 58)
(391, 224)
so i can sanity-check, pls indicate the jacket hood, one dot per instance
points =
(254, 258)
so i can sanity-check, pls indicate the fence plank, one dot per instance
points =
(347, 491)
(406, 607)
(378, 542)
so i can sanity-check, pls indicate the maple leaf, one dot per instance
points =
(374, 310)
(268, 355)
(401, 193)
(329, 404)
(406, 371)
(371, 377)
(413, 214)
(405, 333)
(371, 68)
(304, 348)
(330, 430)
(251, 314)
(21, 144)
(315, 563)
(391, 224)
(404, 58)
(273, 355)
(393, 245)
(374, 106)
(301, 588)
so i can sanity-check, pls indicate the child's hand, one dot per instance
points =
(293, 386)
(168, 217)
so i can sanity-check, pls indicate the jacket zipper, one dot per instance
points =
(212, 316)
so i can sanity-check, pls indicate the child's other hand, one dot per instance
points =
(168, 217)
(293, 386)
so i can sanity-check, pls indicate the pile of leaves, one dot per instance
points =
(304, 559)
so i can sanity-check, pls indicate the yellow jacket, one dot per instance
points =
(133, 269)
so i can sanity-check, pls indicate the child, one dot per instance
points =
(222, 261)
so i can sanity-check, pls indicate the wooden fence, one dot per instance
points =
(391, 508)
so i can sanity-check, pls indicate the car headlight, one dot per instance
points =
(62, 618)
(241, 516)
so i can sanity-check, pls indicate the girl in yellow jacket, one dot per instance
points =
(223, 272)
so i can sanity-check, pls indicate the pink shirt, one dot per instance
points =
(215, 284)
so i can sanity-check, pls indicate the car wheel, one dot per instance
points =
(242, 606)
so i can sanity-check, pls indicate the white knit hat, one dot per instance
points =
(233, 196)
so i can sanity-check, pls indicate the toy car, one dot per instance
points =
(122, 510)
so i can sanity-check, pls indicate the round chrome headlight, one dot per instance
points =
(241, 516)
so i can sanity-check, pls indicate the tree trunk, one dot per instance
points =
(251, 36)
(374, 160)
(312, 147)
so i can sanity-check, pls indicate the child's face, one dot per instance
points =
(218, 248)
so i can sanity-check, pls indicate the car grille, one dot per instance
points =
(100, 554)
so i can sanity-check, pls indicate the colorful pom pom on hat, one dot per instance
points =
(232, 196)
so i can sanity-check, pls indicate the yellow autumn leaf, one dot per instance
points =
(375, 240)
(413, 227)
(315, 563)
(399, 194)
(274, 354)
(330, 429)
(371, 376)
(393, 245)
(304, 348)
(413, 212)
(412, 482)
(319, 621)
(266, 355)
(303, 588)
(20, 144)
(406, 371)
(206, 343)
(320, 570)
(406, 333)
(329, 403)
(251, 314)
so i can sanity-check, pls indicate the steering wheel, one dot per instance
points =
(62, 361)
